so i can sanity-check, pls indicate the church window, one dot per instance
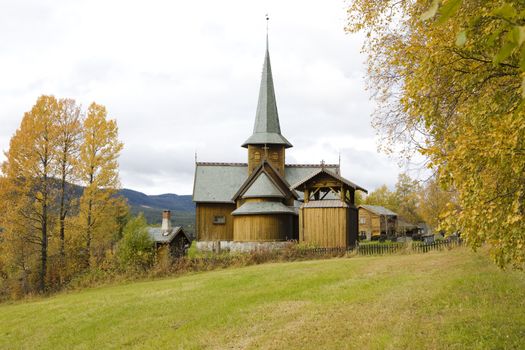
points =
(219, 220)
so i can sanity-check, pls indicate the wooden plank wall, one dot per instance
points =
(253, 228)
(206, 229)
(372, 224)
(276, 156)
(325, 227)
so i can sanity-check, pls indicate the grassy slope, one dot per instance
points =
(454, 299)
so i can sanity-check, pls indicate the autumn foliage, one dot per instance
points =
(58, 209)
(448, 78)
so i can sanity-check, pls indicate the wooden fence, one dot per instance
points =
(381, 248)
(408, 247)
(387, 248)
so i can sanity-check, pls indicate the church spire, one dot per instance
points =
(267, 129)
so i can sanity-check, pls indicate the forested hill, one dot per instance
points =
(168, 201)
(182, 207)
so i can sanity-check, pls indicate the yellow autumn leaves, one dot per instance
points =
(58, 209)
(458, 101)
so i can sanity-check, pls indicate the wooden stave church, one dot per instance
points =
(256, 204)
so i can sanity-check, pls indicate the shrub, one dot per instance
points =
(136, 249)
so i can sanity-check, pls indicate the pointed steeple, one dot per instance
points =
(267, 129)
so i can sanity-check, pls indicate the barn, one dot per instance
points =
(245, 206)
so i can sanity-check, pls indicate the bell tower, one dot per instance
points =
(266, 142)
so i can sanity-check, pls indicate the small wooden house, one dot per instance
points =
(328, 216)
(375, 221)
(173, 237)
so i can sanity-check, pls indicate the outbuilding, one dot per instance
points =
(173, 237)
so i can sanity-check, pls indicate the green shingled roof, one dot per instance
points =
(263, 187)
(218, 182)
(252, 208)
(267, 129)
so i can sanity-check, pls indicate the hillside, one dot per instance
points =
(164, 201)
(455, 300)
(182, 207)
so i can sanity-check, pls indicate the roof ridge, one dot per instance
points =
(329, 173)
(312, 165)
(286, 165)
(221, 164)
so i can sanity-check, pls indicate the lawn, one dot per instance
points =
(453, 299)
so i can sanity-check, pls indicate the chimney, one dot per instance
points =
(166, 220)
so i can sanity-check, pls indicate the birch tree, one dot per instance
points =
(98, 172)
(448, 80)
(66, 152)
(28, 175)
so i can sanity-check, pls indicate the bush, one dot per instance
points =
(136, 249)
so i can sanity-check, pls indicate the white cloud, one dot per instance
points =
(181, 77)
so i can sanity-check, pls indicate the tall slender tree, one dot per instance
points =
(67, 150)
(29, 173)
(98, 171)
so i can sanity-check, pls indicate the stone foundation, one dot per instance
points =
(243, 247)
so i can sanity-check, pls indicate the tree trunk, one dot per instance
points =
(89, 233)
(89, 220)
(43, 251)
(62, 216)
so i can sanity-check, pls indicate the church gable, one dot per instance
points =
(263, 186)
(267, 186)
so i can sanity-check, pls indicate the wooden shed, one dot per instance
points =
(375, 221)
(174, 238)
(328, 216)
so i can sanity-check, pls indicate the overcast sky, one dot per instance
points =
(183, 76)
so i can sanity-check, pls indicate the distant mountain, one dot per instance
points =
(182, 207)
(167, 201)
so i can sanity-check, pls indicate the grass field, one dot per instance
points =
(441, 300)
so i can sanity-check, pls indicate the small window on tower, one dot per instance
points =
(275, 156)
(362, 220)
(219, 220)
(257, 156)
